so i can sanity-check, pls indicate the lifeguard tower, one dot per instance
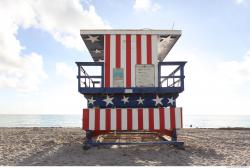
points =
(134, 91)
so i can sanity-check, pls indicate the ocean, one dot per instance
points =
(194, 121)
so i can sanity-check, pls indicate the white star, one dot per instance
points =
(157, 100)
(92, 38)
(97, 51)
(165, 39)
(140, 100)
(91, 100)
(171, 100)
(108, 100)
(125, 99)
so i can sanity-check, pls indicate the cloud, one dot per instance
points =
(237, 72)
(239, 1)
(63, 19)
(146, 5)
(62, 69)
(61, 97)
(66, 99)
(17, 71)
(214, 87)
(243, 3)
(23, 74)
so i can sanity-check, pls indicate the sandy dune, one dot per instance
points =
(62, 146)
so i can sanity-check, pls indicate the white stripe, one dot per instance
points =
(156, 119)
(135, 119)
(143, 49)
(154, 40)
(123, 57)
(112, 57)
(167, 118)
(102, 119)
(113, 119)
(177, 117)
(145, 119)
(104, 52)
(91, 119)
(124, 119)
(133, 59)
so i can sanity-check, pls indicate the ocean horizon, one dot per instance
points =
(194, 121)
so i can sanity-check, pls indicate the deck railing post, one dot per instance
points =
(182, 77)
(79, 79)
(174, 133)
(159, 75)
(102, 82)
(89, 81)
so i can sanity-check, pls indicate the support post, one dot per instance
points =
(174, 135)
(79, 79)
(87, 142)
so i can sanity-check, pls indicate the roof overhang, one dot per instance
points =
(167, 39)
(130, 31)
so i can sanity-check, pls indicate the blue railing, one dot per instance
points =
(175, 78)
(90, 81)
(173, 82)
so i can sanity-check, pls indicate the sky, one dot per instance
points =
(40, 43)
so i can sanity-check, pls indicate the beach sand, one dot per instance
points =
(63, 146)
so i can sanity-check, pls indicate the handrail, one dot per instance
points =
(166, 78)
(90, 82)
(180, 78)
(173, 84)
(172, 73)
(86, 74)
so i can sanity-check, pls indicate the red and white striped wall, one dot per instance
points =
(127, 50)
(132, 118)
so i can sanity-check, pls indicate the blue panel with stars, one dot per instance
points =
(132, 101)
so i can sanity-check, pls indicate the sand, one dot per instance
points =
(63, 146)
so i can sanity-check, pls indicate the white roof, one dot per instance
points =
(165, 44)
(130, 31)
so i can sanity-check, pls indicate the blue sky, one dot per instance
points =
(40, 44)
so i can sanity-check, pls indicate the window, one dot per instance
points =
(118, 77)
(144, 75)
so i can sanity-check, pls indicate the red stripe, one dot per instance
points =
(107, 60)
(149, 49)
(138, 49)
(108, 119)
(172, 117)
(128, 60)
(118, 119)
(129, 119)
(85, 121)
(118, 51)
(97, 119)
(151, 119)
(162, 118)
(140, 119)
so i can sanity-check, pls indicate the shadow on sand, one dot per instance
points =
(72, 154)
